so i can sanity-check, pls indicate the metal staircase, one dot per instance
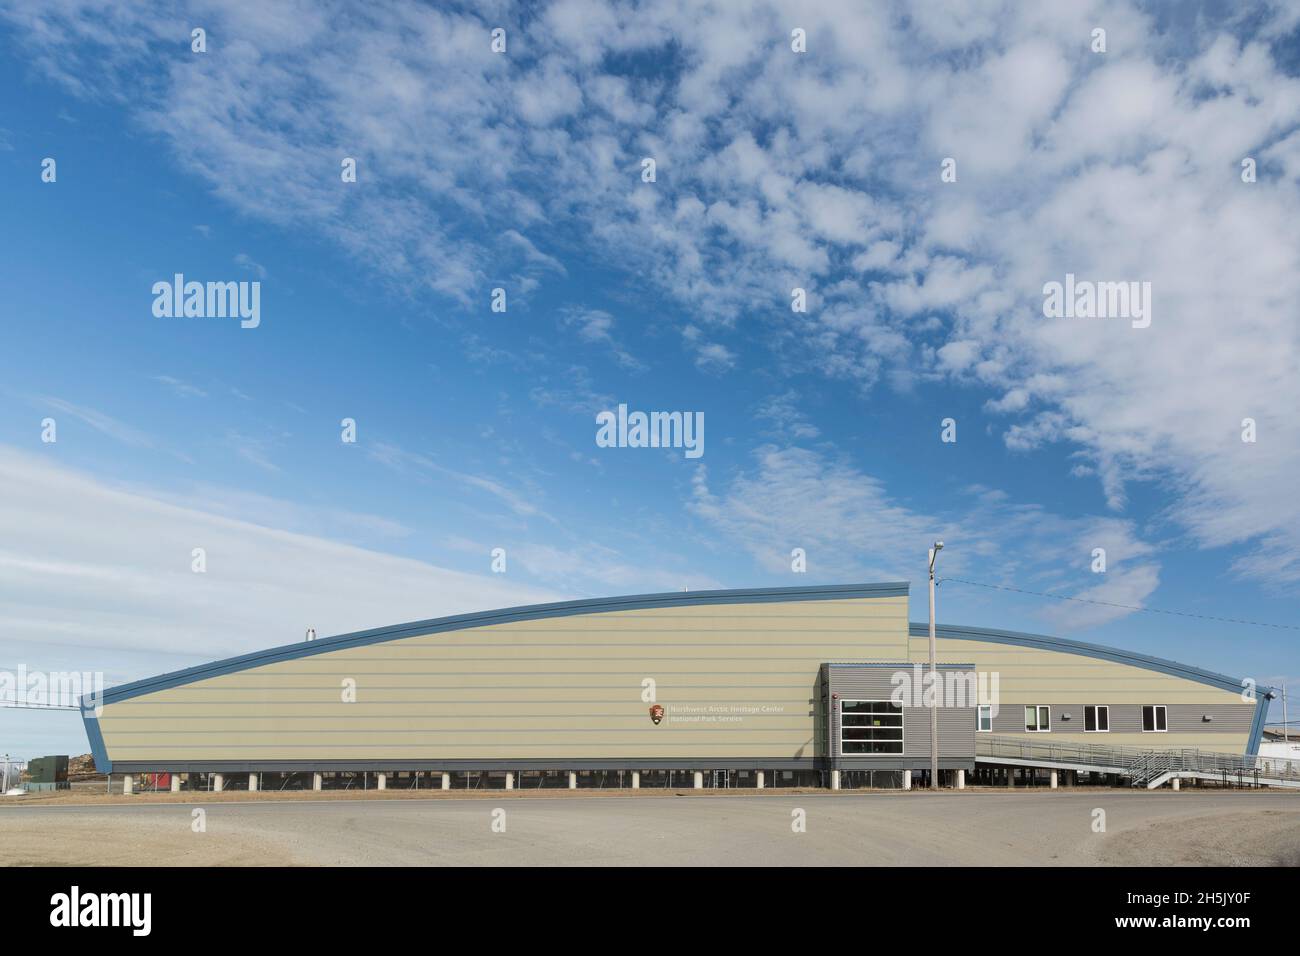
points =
(1154, 767)
(1143, 768)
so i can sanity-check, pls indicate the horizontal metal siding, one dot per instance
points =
(876, 682)
(1127, 719)
(956, 731)
(1058, 679)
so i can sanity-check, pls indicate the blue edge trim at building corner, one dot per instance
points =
(631, 603)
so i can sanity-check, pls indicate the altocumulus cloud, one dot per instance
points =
(819, 171)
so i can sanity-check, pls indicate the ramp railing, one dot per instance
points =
(1116, 759)
(1141, 765)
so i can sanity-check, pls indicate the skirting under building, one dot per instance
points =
(777, 680)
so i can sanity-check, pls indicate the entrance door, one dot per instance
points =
(720, 779)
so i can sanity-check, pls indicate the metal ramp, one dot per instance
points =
(1143, 768)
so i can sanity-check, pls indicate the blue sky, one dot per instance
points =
(522, 171)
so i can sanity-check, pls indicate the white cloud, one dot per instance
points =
(784, 412)
(851, 528)
(532, 253)
(778, 170)
(245, 262)
(180, 388)
(333, 523)
(399, 459)
(710, 356)
(714, 357)
(105, 424)
(595, 567)
(1114, 594)
(596, 326)
(255, 451)
(103, 575)
(957, 356)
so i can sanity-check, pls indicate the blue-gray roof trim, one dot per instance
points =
(895, 664)
(1100, 651)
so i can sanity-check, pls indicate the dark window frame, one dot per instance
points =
(876, 729)
(1098, 715)
(1159, 722)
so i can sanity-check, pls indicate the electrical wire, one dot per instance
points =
(1127, 607)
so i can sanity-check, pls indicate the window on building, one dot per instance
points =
(1096, 719)
(985, 718)
(871, 727)
(1037, 718)
(1155, 719)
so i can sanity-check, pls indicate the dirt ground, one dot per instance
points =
(1249, 838)
(640, 828)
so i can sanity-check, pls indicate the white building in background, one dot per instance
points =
(1277, 743)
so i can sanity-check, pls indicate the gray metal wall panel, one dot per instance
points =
(1127, 719)
(875, 682)
(956, 731)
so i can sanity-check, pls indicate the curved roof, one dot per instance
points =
(648, 601)
(1099, 651)
(530, 612)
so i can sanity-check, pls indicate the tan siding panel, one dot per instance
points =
(556, 687)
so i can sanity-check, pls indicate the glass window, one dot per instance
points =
(1155, 719)
(984, 720)
(870, 727)
(1096, 719)
(1037, 718)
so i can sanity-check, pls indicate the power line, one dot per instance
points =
(23, 705)
(1127, 607)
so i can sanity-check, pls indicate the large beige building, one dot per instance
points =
(783, 680)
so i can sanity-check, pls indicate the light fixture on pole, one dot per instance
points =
(934, 679)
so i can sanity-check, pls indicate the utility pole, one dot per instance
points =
(934, 680)
(1286, 728)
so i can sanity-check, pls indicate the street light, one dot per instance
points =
(934, 686)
